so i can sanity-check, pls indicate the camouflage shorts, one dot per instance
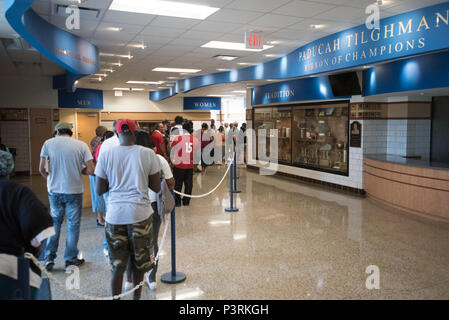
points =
(133, 240)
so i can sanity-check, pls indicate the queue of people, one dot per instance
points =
(126, 167)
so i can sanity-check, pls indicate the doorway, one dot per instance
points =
(87, 122)
(440, 130)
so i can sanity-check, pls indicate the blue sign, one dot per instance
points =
(418, 73)
(202, 103)
(413, 33)
(76, 55)
(309, 89)
(81, 98)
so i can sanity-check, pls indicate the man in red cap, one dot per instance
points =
(126, 172)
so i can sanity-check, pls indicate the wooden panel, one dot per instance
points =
(422, 191)
(87, 122)
(40, 130)
(155, 116)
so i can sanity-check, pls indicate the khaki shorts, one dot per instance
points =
(132, 240)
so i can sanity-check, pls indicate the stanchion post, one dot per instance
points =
(231, 190)
(173, 277)
(235, 174)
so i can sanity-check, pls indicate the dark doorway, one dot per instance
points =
(440, 130)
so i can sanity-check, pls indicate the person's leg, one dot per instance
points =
(188, 183)
(156, 227)
(177, 174)
(105, 201)
(129, 271)
(141, 241)
(119, 252)
(73, 207)
(57, 213)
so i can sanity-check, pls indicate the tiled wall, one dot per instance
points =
(397, 137)
(15, 135)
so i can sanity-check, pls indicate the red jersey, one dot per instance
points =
(183, 150)
(158, 140)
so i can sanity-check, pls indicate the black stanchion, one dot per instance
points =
(235, 175)
(231, 190)
(173, 277)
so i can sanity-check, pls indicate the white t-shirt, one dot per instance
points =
(166, 174)
(109, 144)
(67, 158)
(126, 168)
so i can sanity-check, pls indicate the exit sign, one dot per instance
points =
(253, 40)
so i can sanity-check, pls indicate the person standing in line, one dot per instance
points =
(226, 127)
(108, 144)
(219, 145)
(183, 157)
(126, 172)
(206, 139)
(242, 136)
(68, 160)
(97, 202)
(158, 140)
(24, 224)
(176, 130)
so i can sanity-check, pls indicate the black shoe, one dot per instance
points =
(186, 204)
(76, 263)
(177, 205)
(49, 264)
(99, 225)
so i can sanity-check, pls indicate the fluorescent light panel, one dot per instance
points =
(143, 82)
(176, 70)
(164, 8)
(237, 46)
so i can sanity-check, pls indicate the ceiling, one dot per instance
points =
(176, 42)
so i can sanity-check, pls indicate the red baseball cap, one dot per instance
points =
(130, 123)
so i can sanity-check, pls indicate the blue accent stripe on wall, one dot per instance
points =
(418, 73)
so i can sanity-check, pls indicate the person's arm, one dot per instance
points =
(155, 182)
(89, 169)
(170, 183)
(101, 186)
(42, 169)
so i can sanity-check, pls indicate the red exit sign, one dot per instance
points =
(253, 40)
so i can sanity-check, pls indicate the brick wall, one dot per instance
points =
(15, 135)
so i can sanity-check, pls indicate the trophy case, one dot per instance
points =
(312, 136)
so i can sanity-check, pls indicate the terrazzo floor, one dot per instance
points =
(288, 241)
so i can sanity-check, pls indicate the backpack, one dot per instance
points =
(165, 200)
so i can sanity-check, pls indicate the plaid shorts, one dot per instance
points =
(132, 240)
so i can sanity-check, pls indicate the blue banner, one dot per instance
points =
(412, 33)
(81, 98)
(76, 55)
(202, 103)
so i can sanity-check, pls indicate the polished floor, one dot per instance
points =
(288, 241)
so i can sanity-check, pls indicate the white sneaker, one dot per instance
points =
(151, 285)
(128, 286)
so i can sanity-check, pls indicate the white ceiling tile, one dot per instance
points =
(201, 35)
(344, 14)
(276, 20)
(257, 5)
(172, 22)
(303, 9)
(214, 26)
(128, 17)
(162, 32)
(237, 16)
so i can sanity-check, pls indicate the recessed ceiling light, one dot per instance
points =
(247, 63)
(143, 82)
(225, 57)
(116, 29)
(317, 26)
(173, 78)
(272, 55)
(239, 91)
(237, 46)
(106, 54)
(176, 70)
(138, 45)
(164, 8)
(137, 89)
(223, 70)
(108, 70)
(100, 74)
(121, 89)
(274, 42)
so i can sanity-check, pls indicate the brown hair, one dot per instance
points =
(100, 131)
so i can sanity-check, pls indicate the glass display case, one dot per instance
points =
(313, 136)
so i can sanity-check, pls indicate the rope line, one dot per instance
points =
(87, 297)
(210, 192)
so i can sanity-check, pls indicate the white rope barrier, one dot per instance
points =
(87, 297)
(140, 285)
(210, 192)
